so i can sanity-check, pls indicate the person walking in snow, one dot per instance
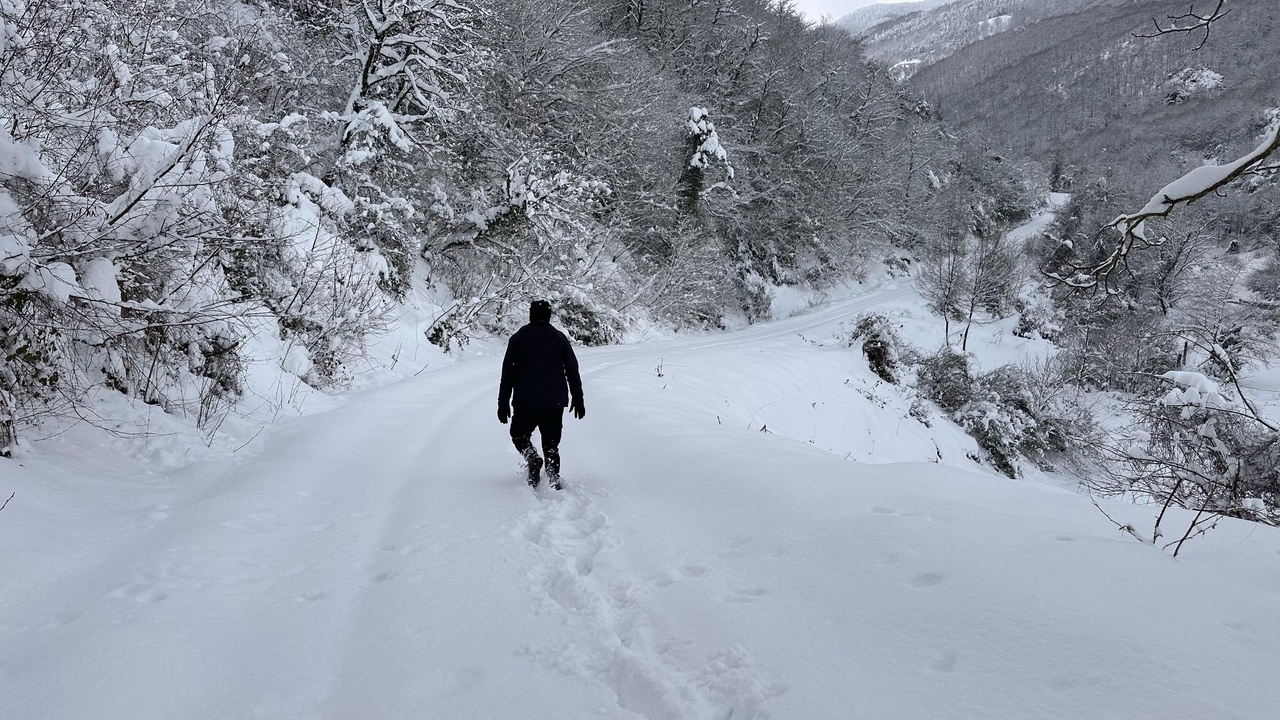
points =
(535, 371)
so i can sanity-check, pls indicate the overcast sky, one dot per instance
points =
(815, 9)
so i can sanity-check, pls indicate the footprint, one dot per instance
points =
(927, 579)
(884, 511)
(946, 663)
(746, 596)
(150, 595)
(736, 549)
(672, 575)
(141, 589)
(693, 571)
(311, 596)
(640, 688)
(384, 576)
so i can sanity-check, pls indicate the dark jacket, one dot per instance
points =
(538, 363)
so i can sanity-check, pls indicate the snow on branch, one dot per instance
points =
(1188, 22)
(1187, 189)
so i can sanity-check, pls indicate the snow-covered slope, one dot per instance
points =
(864, 18)
(935, 33)
(383, 559)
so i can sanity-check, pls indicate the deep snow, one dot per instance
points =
(753, 528)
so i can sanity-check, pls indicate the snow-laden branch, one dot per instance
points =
(1187, 189)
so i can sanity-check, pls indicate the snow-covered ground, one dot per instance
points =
(1042, 220)
(753, 528)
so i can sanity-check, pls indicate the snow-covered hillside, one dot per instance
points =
(864, 18)
(937, 32)
(753, 527)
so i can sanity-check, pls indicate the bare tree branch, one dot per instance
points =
(1188, 22)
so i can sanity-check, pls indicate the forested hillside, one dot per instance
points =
(1083, 85)
(1115, 115)
(188, 186)
(918, 39)
(1160, 273)
(860, 20)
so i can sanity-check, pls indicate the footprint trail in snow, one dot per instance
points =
(578, 578)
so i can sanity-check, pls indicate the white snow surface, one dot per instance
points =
(993, 25)
(1040, 221)
(714, 555)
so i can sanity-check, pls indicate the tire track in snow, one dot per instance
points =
(253, 564)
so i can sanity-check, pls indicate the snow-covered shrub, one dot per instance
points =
(947, 378)
(1190, 82)
(1038, 317)
(1266, 280)
(1011, 411)
(587, 325)
(999, 428)
(1028, 411)
(30, 353)
(1196, 445)
(110, 205)
(882, 344)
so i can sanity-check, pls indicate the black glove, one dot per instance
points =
(504, 413)
(579, 410)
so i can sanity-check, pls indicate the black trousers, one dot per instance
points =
(549, 422)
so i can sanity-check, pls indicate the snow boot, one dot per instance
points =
(533, 464)
(553, 467)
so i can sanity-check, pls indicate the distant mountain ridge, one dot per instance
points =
(915, 39)
(865, 18)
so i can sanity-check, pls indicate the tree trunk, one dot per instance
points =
(8, 434)
(973, 308)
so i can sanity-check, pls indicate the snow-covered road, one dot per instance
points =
(385, 560)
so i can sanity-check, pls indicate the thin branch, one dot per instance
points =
(1188, 22)
(1124, 527)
